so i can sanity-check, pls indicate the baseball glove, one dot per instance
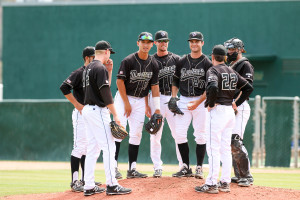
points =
(117, 131)
(154, 124)
(172, 105)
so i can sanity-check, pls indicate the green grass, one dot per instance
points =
(13, 182)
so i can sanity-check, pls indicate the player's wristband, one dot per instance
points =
(156, 103)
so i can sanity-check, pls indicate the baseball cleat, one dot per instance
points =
(244, 182)
(157, 173)
(199, 172)
(234, 179)
(118, 174)
(95, 190)
(77, 186)
(135, 174)
(117, 189)
(184, 172)
(224, 187)
(211, 189)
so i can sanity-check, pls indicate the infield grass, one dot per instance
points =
(13, 182)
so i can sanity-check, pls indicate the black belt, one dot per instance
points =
(168, 93)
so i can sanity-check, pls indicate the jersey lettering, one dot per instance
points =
(86, 78)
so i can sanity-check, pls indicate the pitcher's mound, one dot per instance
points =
(168, 188)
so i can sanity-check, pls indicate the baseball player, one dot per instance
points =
(241, 163)
(222, 82)
(74, 82)
(99, 103)
(138, 74)
(189, 79)
(167, 63)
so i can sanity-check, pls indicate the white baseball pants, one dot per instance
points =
(136, 118)
(155, 140)
(99, 138)
(79, 135)
(183, 121)
(241, 119)
(220, 122)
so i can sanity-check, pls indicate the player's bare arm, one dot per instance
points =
(147, 107)
(76, 104)
(192, 105)
(109, 66)
(155, 93)
(174, 91)
(112, 109)
(122, 91)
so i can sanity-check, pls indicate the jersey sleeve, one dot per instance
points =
(247, 72)
(154, 79)
(70, 83)
(124, 70)
(211, 76)
(101, 77)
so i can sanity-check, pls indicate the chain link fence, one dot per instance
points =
(274, 124)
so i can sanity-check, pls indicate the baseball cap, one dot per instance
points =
(88, 51)
(145, 36)
(161, 35)
(196, 36)
(103, 45)
(219, 50)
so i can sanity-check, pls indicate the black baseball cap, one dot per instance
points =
(145, 36)
(161, 35)
(196, 36)
(88, 51)
(219, 50)
(103, 45)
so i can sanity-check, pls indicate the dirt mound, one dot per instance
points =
(168, 188)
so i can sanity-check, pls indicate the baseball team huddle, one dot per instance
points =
(213, 96)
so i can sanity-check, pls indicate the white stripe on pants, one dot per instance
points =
(99, 138)
(220, 122)
(155, 140)
(241, 119)
(79, 135)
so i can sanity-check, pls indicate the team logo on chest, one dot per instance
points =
(191, 73)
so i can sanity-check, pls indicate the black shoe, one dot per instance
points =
(117, 189)
(224, 187)
(77, 186)
(118, 174)
(211, 189)
(95, 190)
(244, 182)
(234, 179)
(184, 172)
(135, 174)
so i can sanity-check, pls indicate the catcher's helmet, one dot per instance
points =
(234, 43)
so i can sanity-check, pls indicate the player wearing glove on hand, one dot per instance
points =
(189, 79)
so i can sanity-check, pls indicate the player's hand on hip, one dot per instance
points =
(234, 108)
(109, 65)
(79, 107)
(128, 109)
(148, 111)
(210, 108)
(192, 105)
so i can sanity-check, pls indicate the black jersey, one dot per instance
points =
(74, 82)
(138, 75)
(95, 76)
(192, 75)
(245, 69)
(227, 80)
(167, 65)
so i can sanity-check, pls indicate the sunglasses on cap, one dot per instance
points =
(160, 41)
(146, 37)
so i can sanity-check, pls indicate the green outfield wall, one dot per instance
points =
(43, 44)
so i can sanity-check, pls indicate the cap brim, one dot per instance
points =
(111, 51)
(194, 39)
(162, 39)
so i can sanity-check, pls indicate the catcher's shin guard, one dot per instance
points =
(240, 157)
